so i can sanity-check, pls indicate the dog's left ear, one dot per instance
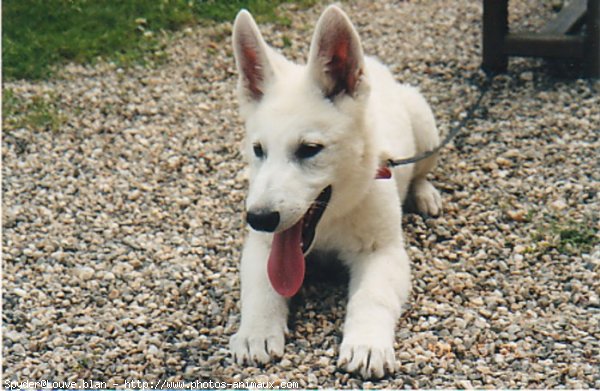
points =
(336, 59)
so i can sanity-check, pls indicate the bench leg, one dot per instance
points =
(592, 39)
(495, 29)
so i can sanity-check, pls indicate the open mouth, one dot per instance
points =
(286, 264)
(312, 217)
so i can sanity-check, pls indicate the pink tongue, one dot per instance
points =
(286, 261)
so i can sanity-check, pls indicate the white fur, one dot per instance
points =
(374, 119)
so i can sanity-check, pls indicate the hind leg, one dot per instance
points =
(422, 193)
(427, 198)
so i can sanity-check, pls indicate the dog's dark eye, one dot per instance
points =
(258, 151)
(308, 150)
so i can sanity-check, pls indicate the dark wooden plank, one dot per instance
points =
(592, 39)
(539, 45)
(495, 28)
(568, 19)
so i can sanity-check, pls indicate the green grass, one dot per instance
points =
(576, 237)
(38, 113)
(38, 34)
(566, 236)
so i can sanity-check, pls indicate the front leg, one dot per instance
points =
(264, 312)
(379, 286)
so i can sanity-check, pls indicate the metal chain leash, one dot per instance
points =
(484, 87)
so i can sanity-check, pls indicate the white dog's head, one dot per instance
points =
(307, 141)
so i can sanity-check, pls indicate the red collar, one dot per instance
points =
(383, 172)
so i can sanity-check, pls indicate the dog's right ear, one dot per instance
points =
(250, 52)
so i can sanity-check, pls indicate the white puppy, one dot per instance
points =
(316, 137)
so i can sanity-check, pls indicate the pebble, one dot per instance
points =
(517, 215)
(85, 273)
(285, 363)
(559, 205)
(526, 76)
(122, 230)
(465, 384)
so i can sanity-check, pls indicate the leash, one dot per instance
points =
(484, 87)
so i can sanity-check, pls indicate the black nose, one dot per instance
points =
(263, 220)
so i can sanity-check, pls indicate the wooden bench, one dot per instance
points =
(554, 40)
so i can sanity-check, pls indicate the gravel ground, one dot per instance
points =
(122, 228)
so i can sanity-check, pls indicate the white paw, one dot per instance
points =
(427, 198)
(256, 346)
(371, 360)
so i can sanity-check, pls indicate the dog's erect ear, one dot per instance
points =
(250, 52)
(336, 57)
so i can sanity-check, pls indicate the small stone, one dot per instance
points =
(153, 350)
(503, 162)
(512, 153)
(477, 301)
(519, 249)
(85, 272)
(285, 363)
(517, 215)
(559, 205)
(483, 370)
(20, 292)
(526, 76)
(427, 370)
(519, 258)
(18, 349)
(12, 335)
(134, 195)
(108, 276)
(324, 361)
(404, 356)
